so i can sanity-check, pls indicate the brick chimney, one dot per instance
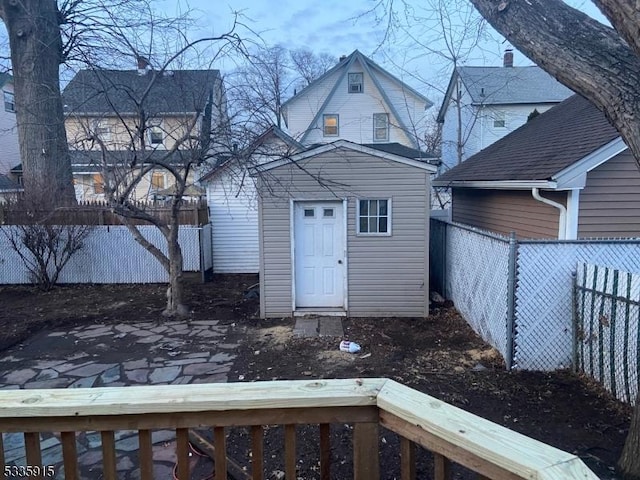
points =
(508, 58)
(342, 57)
(143, 65)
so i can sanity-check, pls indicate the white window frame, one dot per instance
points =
(389, 218)
(499, 119)
(9, 101)
(355, 82)
(153, 128)
(325, 117)
(155, 174)
(102, 130)
(376, 128)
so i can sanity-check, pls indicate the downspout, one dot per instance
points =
(562, 223)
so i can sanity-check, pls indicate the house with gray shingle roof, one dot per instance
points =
(483, 104)
(566, 174)
(136, 115)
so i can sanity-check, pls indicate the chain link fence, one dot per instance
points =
(518, 295)
(607, 310)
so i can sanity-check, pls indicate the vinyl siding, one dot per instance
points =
(386, 275)
(610, 201)
(9, 150)
(233, 215)
(505, 211)
(355, 110)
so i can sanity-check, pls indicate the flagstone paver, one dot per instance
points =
(147, 353)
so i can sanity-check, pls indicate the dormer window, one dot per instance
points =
(356, 83)
(9, 102)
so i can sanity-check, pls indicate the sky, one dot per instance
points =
(338, 28)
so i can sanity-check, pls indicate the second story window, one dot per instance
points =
(330, 125)
(380, 127)
(102, 130)
(155, 135)
(9, 102)
(157, 180)
(356, 83)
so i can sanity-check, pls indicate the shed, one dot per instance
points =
(564, 175)
(343, 230)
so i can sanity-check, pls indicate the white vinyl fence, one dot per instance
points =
(607, 309)
(517, 294)
(110, 255)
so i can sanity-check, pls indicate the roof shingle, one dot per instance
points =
(540, 148)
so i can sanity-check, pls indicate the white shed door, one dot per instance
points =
(319, 254)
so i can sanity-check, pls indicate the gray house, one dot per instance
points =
(343, 230)
(566, 174)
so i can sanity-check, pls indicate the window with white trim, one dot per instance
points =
(102, 130)
(380, 127)
(9, 101)
(499, 120)
(155, 134)
(157, 180)
(330, 125)
(356, 82)
(374, 217)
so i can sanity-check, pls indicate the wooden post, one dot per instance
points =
(145, 453)
(70, 455)
(257, 452)
(290, 452)
(32, 447)
(441, 467)
(108, 455)
(325, 451)
(182, 451)
(220, 443)
(407, 459)
(366, 461)
(2, 477)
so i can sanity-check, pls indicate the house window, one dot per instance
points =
(9, 102)
(499, 120)
(156, 134)
(157, 180)
(102, 130)
(374, 217)
(98, 184)
(380, 127)
(355, 83)
(330, 125)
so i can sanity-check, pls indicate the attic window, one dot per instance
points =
(9, 102)
(380, 127)
(355, 83)
(499, 120)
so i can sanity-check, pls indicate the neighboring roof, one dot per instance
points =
(402, 150)
(8, 185)
(4, 79)
(373, 70)
(344, 144)
(541, 148)
(106, 92)
(506, 86)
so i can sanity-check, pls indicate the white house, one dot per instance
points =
(483, 104)
(9, 150)
(356, 100)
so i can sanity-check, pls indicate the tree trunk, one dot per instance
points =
(175, 292)
(36, 53)
(629, 463)
(594, 61)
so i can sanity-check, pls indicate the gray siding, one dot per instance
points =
(610, 201)
(506, 211)
(387, 276)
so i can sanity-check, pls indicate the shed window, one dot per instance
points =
(330, 125)
(309, 212)
(328, 213)
(374, 217)
(380, 127)
(355, 83)
(9, 102)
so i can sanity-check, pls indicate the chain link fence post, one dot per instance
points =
(511, 300)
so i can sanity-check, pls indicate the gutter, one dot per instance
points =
(562, 223)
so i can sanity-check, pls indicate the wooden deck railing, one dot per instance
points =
(452, 434)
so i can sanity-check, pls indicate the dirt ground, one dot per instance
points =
(439, 355)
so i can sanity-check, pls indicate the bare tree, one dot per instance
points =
(309, 65)
(599, 62)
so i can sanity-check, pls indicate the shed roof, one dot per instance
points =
(108, 92)
(541, 148)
